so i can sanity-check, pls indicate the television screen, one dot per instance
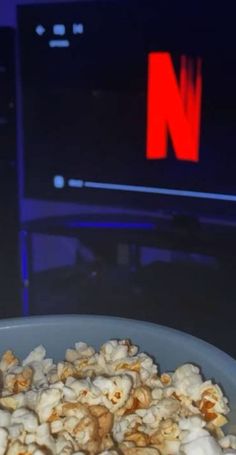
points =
(128, 102)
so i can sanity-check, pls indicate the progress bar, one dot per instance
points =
(76, 183)
(59, 43)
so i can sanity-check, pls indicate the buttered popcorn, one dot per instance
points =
(110, 402)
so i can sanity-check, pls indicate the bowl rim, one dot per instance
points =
(213, 351)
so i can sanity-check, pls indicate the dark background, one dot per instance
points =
(9, 210)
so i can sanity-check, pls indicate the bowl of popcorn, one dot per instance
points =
(87, 385)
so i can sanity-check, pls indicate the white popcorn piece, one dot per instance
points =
(14, 401)
(15, 431)
(84, 390)
(197, 440)
(167, 407)
(141, 368)
(84, 350)
(187, 381)
(37, 355)
(64, 446)
(40, 366)
(89, 367)
(72, 355)
(30, 439)
(31, 397)
(17, 448)
(113, 351)
(164, 409)
(191, 423)
(70, 424)
(86, 433)
(39, 377)
(26, 418)
(47, 365)
(3, 440)
(77, 410)
(114, 390)
(47, 400)
(43, 437)
(172, 447)
(20, 381)
(70, 381)
(157, 393)
(5, 418)
(52, 375)
(68, 393)
(39, 452)
(126, 425)
(228, 441)
(200, 442)
(65, 370)
(56, 426)
(148, 370)
(57, 385)
(132, 348)
(212, 393)
(8, 360)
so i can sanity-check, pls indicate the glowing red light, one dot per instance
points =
(173, 107)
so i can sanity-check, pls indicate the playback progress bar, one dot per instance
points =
(59, 182)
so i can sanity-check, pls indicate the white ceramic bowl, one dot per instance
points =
(169, 347)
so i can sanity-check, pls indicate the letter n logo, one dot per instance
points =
(173, 107)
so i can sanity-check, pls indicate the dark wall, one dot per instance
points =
(9, 256)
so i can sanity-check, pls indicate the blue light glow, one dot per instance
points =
(59, 43)
(40, 30)
(163, 191)
(58, 181)
(59, 29)
(75, 183)
(111, 225)
(78, 29)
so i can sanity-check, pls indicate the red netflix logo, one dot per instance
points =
(173, 107)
